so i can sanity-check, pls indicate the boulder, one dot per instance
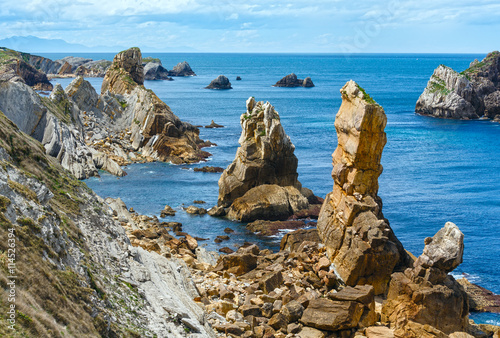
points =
(182, 69)
(267, 202)
(292, 240)
(221, 82)
(196, 210)
(265, 156)
(325, 314)
(237, 263)
(291, 80)
(271, 281)
(209, 169)
(358, 239)
(309, 332)
(167, 211)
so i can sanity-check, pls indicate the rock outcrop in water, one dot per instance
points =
(182, 69)
(471, 94)
(154, 128)
(153, 70)
(221, 82)
(291, 80)
(426, 295)
(358, 238)
(264, 168)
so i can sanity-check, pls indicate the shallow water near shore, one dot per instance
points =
(434, 170)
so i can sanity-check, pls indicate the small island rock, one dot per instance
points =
(221, 82)
(291, 80)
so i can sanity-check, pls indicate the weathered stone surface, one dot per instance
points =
(425, 294)
(271, 281)
(265, 156)
(291, 80)
(470, 94)
(361, 293)
(237, 263)
(325, 314)
(444, 251)
(267, 202)
(309, 332)
(196, 210)
(221, 82)
(292, 311)
(292, 240)
(167, 211)
(155, 71)
(359, 241)
(14, 68)
(379, 332)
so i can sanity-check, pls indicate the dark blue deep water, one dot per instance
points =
(434, 170)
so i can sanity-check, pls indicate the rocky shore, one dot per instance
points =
(471, 94)
(102, 269)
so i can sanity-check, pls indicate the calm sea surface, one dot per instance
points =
(434, 170)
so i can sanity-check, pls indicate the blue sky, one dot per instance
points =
(361, 26)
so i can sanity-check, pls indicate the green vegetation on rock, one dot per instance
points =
(437, 85)
(367, 97)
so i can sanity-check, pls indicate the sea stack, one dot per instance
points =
(291, 80)
(221, 82)
(182, 69)
(358, 238)
(265, 166)
(471, 94)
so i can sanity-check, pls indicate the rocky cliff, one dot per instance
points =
(358, 238)
(77, 273)
(154, 128)
(15, 67)
(471, 94)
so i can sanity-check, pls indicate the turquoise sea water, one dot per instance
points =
(434, 170)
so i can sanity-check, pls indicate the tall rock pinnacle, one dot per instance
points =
(358, 239)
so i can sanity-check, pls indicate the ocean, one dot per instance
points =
(434, 170)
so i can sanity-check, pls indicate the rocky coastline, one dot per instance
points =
(471, 94)
(104, 270)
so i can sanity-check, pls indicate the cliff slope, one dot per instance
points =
(77, 274)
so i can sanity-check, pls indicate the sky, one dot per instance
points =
(314, 26)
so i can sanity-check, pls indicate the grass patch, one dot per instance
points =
(23, 190)
(437, 85)
(367, 97)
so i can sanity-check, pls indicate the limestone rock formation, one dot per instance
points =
(182, 69)
(155, 71)
(291, 80)
(154, 128)
(426, 295)
(471, 94)
(359, 240)
(89, 278)
(221, 82)
(55, 122)
(14, 68)
(265, 156)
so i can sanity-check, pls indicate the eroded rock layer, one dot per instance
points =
(358, 238)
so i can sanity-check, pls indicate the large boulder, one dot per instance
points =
(292, 240)
(221, 82)
(291, 80)
(470, 94)
(358, 239)
(265, 156)
(267, 202)
(426, 294)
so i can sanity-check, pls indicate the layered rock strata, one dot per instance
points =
(262, 183)
(90, 280)
(471, 94)
(15, 68)
(358, 238)
(425, 295)
(221, 82)
(291, 80)
(154, 129)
